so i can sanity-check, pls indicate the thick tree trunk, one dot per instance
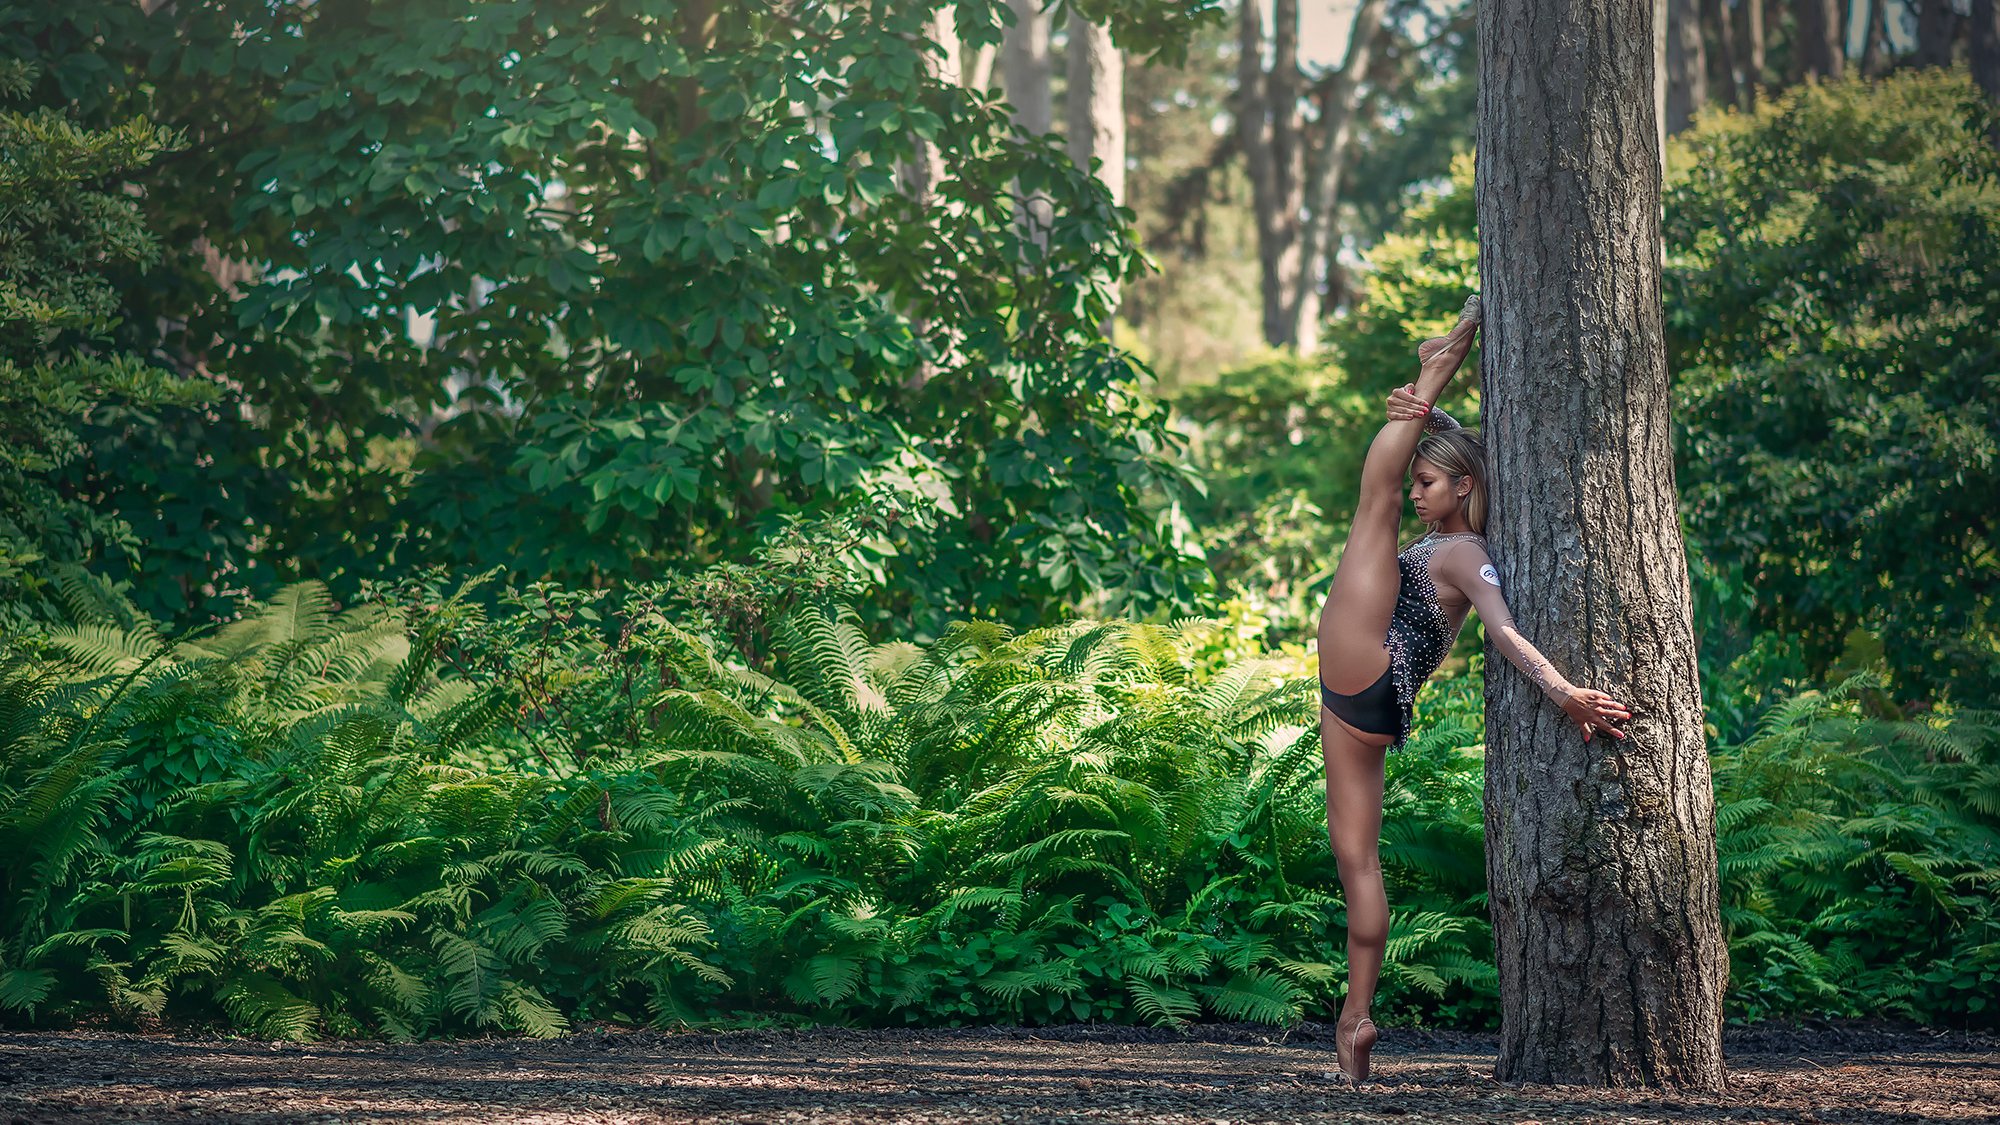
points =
(1817, 48)
(1986, 52)
(1936, 28)
(1687, 64)
(1601, 856)
(1722, 59)
(1340, 108)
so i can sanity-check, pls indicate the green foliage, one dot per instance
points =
(1833, 287)
(63, 223)
(296, 824)
(500, 269)
(1860, 860)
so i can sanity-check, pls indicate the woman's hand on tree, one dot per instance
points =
(1592, 710)
(1405, 406)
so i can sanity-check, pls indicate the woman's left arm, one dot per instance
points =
(1467, 569)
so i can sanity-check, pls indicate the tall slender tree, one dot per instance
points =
(1295, 165)
(1817, 45)
(1723, 62)
(1986, 52)
(1601, 861)
(1687, 64)
(1753, 42)
(1937, 25)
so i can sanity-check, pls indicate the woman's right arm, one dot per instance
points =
(1467, 568)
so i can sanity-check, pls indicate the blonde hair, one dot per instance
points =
(1459, 453)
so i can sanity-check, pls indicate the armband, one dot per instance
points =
(1437, 421)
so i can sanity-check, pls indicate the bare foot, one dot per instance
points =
(1352, 1044)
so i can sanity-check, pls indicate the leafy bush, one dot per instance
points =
(1832, 290)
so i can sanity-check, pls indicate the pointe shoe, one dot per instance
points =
(1473, 312)
(1361, 1038)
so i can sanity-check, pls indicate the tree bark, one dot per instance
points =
(1270, 129)
(1026, 68)
(1874, 38)
(1986, 53)
(1722, 61)
(1817, 45)
(925, 173)
(1340, 108)
(1096, 103)
(1936, 28)
(1687, 64)
(1753, 49)
(1601, 860)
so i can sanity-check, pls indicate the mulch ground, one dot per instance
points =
(1080, 1075)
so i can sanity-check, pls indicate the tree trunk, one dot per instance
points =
(1986, 53)
(1340, 108)
(1817, 47)
(1687, 64)
(1096, 103)
(1026, 68)
(924, 175)
(1722, 61)
(1936, 25)
(1269, 125)
(1874, 39)
(1753, 49)
(1601, 860)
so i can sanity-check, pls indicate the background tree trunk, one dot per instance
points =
(1027, 72)
(1096, 103)
(1026, 69)
(1874, 38)
(1269, 129)
(1986, 52)
(1601, 856)
(1687, 64)
(925, 172)
(1753, 49)
(1096, 106)
(1340, 106)
(1722, 57)
(1936, 23)
(1817, 46)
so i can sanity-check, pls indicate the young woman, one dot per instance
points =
(1388, 622)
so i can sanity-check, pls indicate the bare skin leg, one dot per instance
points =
(1351, 657)
(1354, 823)
(1356, 615)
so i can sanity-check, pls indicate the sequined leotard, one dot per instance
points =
(1420, 634)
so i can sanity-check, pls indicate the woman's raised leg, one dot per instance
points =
(1355, 618)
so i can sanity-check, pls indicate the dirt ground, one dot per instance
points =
(1081, 1075)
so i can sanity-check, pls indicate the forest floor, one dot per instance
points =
(1085, 1075)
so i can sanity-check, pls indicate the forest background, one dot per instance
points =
(519, 515)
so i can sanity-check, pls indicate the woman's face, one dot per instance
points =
(1433, 491)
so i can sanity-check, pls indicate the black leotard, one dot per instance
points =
(1420, 634)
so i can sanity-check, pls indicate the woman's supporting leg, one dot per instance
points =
(1355, 618)
(1354, 823)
